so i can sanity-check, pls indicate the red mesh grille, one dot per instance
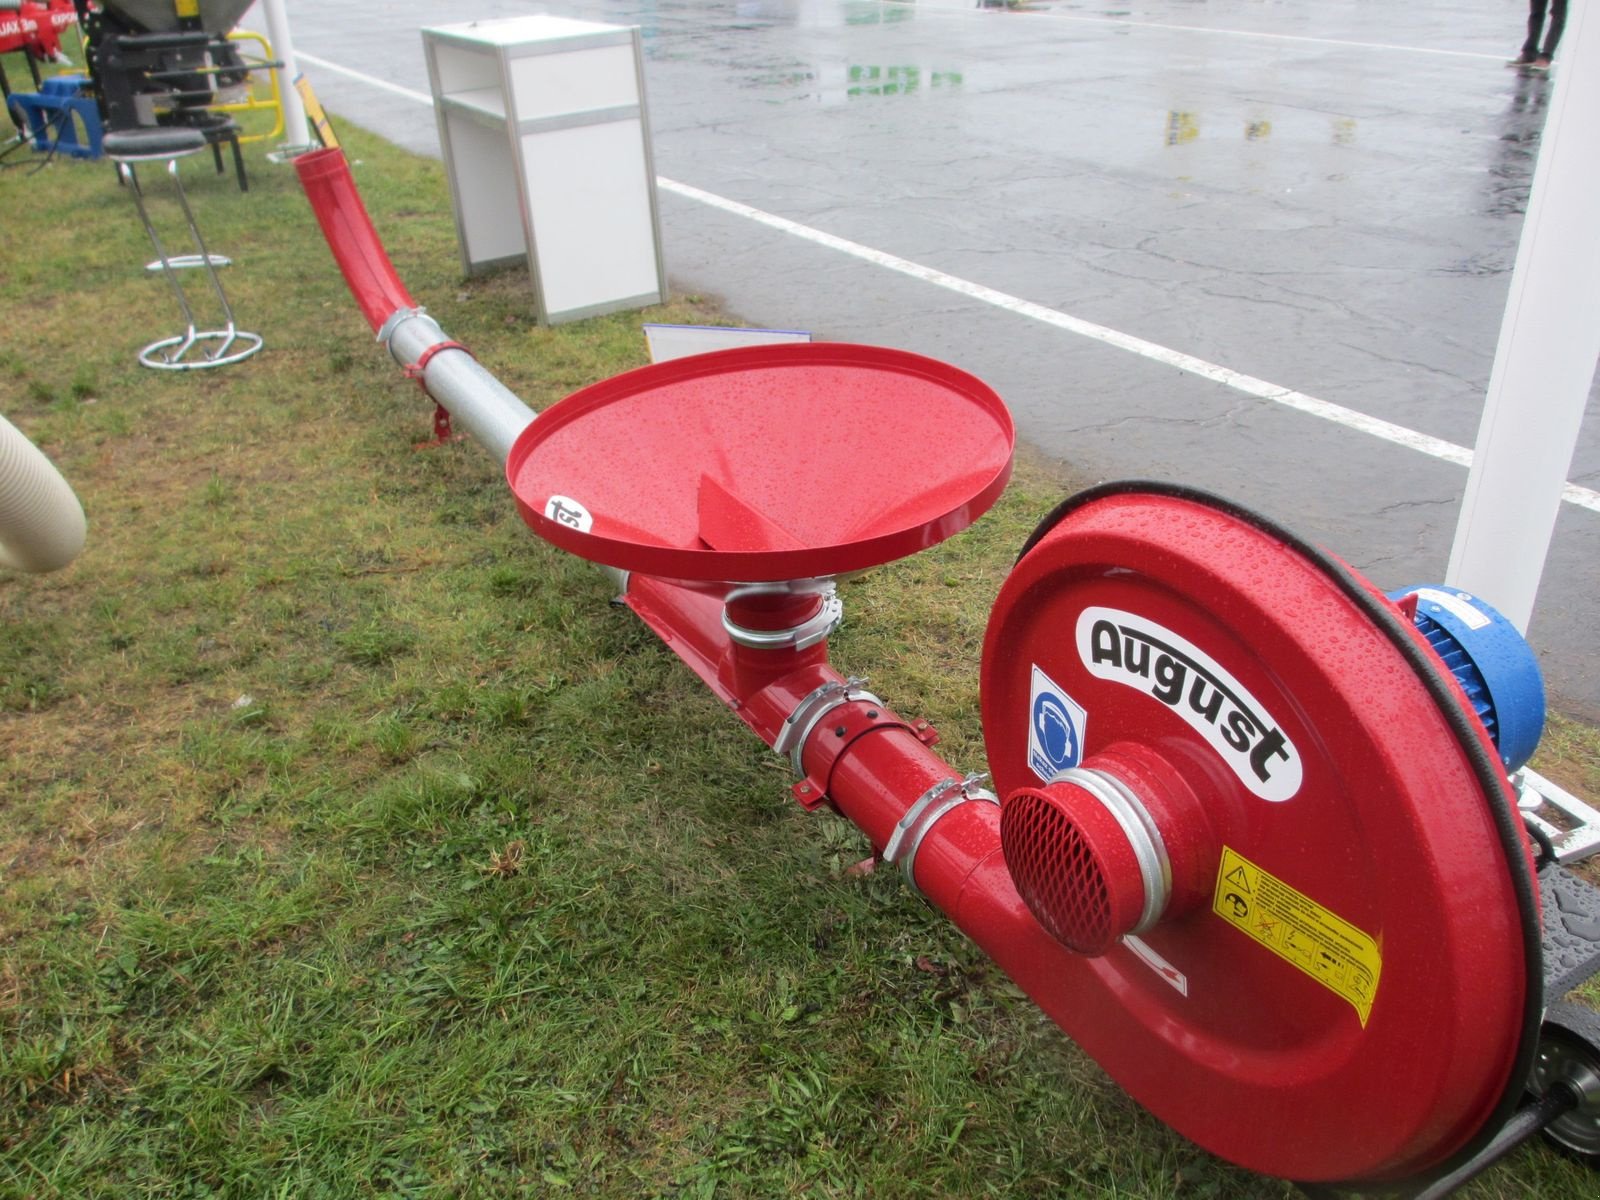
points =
(1059, 875)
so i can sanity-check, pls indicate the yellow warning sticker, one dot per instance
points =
(1298, 930)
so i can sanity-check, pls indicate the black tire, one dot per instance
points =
(1569, 1053)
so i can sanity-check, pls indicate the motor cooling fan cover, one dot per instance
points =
(1337, 987)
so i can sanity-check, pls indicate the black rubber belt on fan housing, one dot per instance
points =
(1491, 781)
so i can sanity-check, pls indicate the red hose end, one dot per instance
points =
(320, 164)
(325, 176)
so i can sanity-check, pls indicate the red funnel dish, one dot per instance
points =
(764, 463)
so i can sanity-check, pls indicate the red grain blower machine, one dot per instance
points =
(1251, 838)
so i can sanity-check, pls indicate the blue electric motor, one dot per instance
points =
(1490, 659)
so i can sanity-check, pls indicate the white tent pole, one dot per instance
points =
(296, 129)
(1549, 341)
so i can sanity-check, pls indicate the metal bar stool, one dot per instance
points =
(127, 148)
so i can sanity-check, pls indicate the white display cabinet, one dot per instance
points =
(546, 143)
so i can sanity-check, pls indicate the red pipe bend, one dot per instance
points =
(325, 176)
(872, 767)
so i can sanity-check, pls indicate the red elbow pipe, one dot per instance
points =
(872, 766)
(325, 176)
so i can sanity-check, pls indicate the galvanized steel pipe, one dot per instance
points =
(475, 399)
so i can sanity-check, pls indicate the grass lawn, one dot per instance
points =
(352, 844)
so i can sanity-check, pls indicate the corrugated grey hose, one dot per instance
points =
(41, 522)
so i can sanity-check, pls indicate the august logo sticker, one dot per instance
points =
(1138, 653)
(1055, 728)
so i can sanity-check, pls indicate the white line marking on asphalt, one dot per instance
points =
(1239, 382)
(1361, 422)
(372, 80)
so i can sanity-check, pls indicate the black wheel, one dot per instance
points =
(1569, 1056)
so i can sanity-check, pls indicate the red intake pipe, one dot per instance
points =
(325, 175)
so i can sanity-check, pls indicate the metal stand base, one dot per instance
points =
(185, 261)
(153, 356)
(1571, 826)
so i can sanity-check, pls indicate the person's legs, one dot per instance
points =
(1530, 48)
(1558, 22)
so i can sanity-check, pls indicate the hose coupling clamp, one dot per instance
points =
(397, 318)
(801, 637)
(925, 813)
(797, 727)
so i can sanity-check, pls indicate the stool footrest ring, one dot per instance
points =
(156, 354)
(181, 262)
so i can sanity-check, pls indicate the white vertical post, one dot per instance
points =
(1549, 341)
(296, 130)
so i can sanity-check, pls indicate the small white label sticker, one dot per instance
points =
(1138, 653)
(566, 511)
(1146, 954)
(1055, 728)
(1464, 612)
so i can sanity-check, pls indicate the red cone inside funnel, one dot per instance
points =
(764, 462)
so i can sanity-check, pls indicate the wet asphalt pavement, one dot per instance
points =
(1322, 196)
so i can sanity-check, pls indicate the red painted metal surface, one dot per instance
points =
(1249, 1054)
(1335, 989)
(765, 462)
(1348, 794)
(761, 686)
(36, 28)
(377, 289)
